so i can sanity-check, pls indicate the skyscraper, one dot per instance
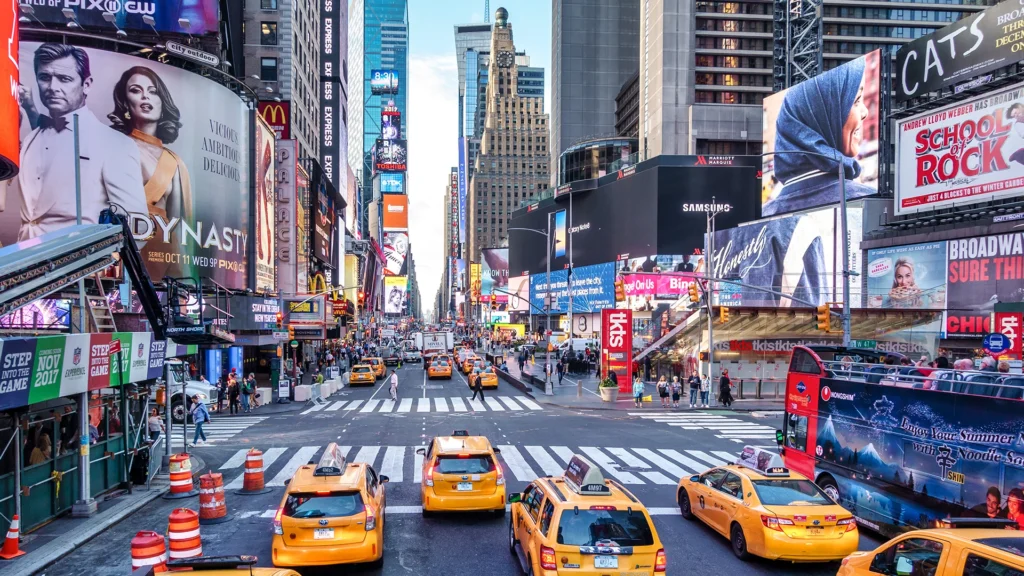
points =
(470, 41)
(594, 47)
(513, 163)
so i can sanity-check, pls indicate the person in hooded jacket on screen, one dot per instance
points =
(824, 115)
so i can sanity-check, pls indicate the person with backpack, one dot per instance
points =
(200, 416)
(663, 391)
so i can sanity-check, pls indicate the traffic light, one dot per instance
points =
(824, 315)
(291, 332)
(494, 301)
(280, 320)
(362, 298)
(692, 289)
(723, 314)
(620, 291)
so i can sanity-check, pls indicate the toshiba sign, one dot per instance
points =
(617, 345)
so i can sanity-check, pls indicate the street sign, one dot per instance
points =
(115, 347)
(995, 343)
(192, 53)
(864, 344)
(295, 344)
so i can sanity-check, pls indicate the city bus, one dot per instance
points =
(903, 447)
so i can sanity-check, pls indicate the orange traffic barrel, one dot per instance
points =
(181, 477)
(10, 549)
(252, 478)
(183, 532)
(149, 549)
(212, 509)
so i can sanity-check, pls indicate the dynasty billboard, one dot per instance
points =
(265, 209)
(965, 153)
(9, 156)
(835, 115)
(196, 17)
(968, 48)
(167, 146)
(661, 210)
(494, 274)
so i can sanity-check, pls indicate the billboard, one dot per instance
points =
(835, 114)
(394, 294)
(391, 155)
(396, 246)
(278, 116)
(9, 156)
(799, 255)
(655, 285)
(617, 346)
(285, 215)
(324, 219)
(463, 188)
(912, 276)
(384, 81)
(253, 313)
(198, 17)
(396, 211)
(390, 126)
(967, 48)
(494, 274)
(459, 281)
(392, 182)
(593, 288)
(44, 314)
(350, 204)
(519, 301)
(301, 229)
(265, 209)
(474, 283)
(982, 271)
(962, 154)
(168, 146)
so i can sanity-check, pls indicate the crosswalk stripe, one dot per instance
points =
(494, 404)
(517, 464)
(440, 405)
(300, 457)
(686, 426)
(417, 465)
(458, 404)
(335, 406)
(748, 435)
(314, 408)
(355, 404)
(608, 465)
(529, 403)
(563, 452)
(394, 457)
(423, 405)
(662, 463)
(370, 405)
(367, 454)
(405, 405)
(631, 460)
(387, 405)
(700, 455)
(269, 457)
(476, 405)
(724, 455)
(236, 460)
(546, 462)
(690, 463)
(509, 403)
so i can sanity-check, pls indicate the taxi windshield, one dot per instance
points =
(588, 527)
(373, 360)
(790, 493)
(441, 363)
(361, 369)
(465, 465)
(332, 505)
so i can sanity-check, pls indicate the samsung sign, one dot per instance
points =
(707, 207)
(330, 82)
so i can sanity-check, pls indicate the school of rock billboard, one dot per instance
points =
(965, 153)
(169, 147)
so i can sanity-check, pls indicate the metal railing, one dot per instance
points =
(975, 382)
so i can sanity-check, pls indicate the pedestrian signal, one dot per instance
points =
(723, 314)
(824, 315)
(694, 296)
(620, 291)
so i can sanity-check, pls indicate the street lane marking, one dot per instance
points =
(509, 403)
(423, 405)
(494, 404)
(662, 463)
(608, 465)
(517, 464)
(706, 457)
(355, 404)
(458, 404)
(367, 455)
(269, 457)
(405, 405)
(690, 463)
(440, 405)
(631, 460)
(370, 405)
(564, 453)
(724, 455)
(546, 462)
(417, 465)
(477, 406)
(391, 467)
(387, 405)
(297, 460)
(315, 408)
(236, 460)
(528, 403)
(335, 406)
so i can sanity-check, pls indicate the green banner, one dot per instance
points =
(117, 377)
(46, 370)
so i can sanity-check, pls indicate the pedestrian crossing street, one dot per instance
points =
(435, 405)
(220, 429)
(726, 427)
(632, 466)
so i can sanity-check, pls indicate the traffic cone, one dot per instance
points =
(10, 549)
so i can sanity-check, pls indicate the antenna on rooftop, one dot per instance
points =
(487, 11)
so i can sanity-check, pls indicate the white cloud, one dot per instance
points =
(432, 131)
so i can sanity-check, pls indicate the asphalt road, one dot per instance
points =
(647, 454)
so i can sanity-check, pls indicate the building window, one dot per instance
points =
(268, 69)
(268, 34)
(268, 4)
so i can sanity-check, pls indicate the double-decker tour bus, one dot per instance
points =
(902, 447)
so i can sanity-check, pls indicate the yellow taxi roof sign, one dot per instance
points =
(460, 433)
(766, 462)
(332, 463)
(585, 479)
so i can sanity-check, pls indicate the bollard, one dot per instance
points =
(181, 478)
(183, 532)
(252, 478)
(212, 509)
(149, 549)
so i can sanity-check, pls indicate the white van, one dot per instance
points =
(578, 345)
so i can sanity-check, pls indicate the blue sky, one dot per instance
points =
(431, 122)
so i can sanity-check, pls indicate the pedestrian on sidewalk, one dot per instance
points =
(638, 392)
(677, 390)
(394, 385)
(233, 394)
(246, 394)
(255, 398)
(705, 389)
(694, 382)
(156, 425)
(561, 371)
(222, 394)
(663, 391)
(199, 417)
(725, 389)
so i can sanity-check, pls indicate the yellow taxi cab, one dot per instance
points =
(488, 379)
(439, 368)
(467, 364)
(331, 513)
(227, 566)
(961, 547)
(583, 524)
(377, 364)
(768, 511)
(461, 473)
(362, 374)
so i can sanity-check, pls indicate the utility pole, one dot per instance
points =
(710, 292)
(547, 309)
(846, 259)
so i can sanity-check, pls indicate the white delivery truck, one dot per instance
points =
(433, 342)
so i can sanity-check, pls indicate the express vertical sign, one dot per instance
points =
(617, 345)
(330, 84)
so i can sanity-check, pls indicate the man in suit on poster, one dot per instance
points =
(110, 167)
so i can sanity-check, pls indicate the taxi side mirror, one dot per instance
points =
(695, 478)
(287, 481)
(384, 479)
(497, 450)
(421, 451)
(515, 497)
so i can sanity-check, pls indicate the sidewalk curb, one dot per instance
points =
(681, 410)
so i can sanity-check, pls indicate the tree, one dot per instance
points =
(924, 490)
(910, 480)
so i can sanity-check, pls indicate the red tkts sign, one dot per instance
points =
(1009, 324)
(617, 345)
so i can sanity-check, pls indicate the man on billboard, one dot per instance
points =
(111, 170)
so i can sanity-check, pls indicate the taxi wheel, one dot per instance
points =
(684, 504)
(739, 543)
(511, 536)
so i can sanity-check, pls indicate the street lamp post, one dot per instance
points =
(709, 259)
(547, 298)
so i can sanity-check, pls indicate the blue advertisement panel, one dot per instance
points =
(911, 276)
(905, 457)
(392, 182)
(16, 371)
(214, 364)
(463, 189)
(593, 288)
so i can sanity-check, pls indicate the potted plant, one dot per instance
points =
(609, 390)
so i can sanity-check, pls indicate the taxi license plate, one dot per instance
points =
(815, 530)
(464, 486)
(606, 561)
(323, 533)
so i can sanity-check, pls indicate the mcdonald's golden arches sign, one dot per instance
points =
(278, 115)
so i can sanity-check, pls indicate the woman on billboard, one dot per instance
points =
(145, 111)
(824, 115)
